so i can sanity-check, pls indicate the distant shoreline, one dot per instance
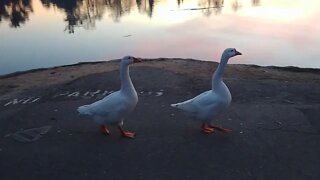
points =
(286, 68)
(18, 82)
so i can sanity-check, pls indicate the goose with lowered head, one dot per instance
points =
(114, 108)
(207, 105)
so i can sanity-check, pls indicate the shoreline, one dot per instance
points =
(19, 82)
(285, 68)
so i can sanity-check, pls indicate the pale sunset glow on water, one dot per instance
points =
(39, 33)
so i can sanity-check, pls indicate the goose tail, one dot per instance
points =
(84, 109)
(176, 105)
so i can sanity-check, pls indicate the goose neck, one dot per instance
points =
(217, 75)
(126, 83)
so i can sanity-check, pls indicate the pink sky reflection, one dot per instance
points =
(261, 42)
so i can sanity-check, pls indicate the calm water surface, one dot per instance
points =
(45, 33)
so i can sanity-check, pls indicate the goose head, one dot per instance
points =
(229, 53)
(127, 60)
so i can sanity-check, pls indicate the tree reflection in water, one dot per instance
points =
(84, 13)
(179, 2)
(79, 13)
(15, 11)
(236, 5)
(119, 8)
(211, 6)
(145, 7)
(255, 2)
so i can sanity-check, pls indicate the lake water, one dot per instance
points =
(45, 33)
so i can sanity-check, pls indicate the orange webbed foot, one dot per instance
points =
(221, 129)
(206, 129)
(127, 134)
(104, 130)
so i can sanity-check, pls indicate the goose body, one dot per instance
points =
(207, 105)
(114, 108)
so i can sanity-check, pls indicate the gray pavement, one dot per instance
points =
(276, 131)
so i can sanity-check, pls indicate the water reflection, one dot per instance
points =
(236, 5)
(255, 2)
(274, 33)
(78, 13)
(117, 9)
(84, 13)
(15, 11)
(145, 6)
(211, 6)
(179, 2)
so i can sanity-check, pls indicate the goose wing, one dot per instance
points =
(193, 104)
(112, 102)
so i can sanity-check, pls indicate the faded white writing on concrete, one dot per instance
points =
(75, 94)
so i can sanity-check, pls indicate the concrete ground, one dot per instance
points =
(274, 118)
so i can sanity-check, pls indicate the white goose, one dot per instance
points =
(114, 108)
(207, 105)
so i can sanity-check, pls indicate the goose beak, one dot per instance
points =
(238, 53)
(136, 60)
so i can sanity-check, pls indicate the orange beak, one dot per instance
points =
(238, 53)
(136, 60)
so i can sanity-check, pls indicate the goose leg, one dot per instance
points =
(221, 129)
(206, 129)
(126, 134)
(104, 130)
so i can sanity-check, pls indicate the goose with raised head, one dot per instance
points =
(114, 108)
(207, 105)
